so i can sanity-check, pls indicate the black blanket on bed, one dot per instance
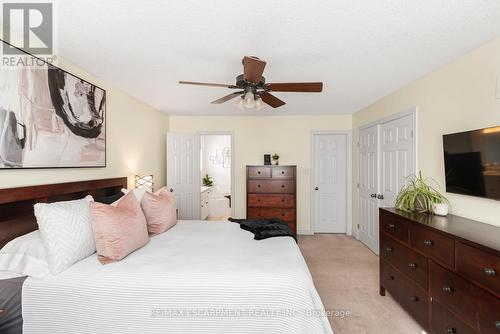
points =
(11, 319)
(265, 228)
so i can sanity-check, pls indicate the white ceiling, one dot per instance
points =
(361, 49)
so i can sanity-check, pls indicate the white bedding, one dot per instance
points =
(198, 277)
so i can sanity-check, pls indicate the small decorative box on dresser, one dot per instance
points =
(271, 193)
(445, 271)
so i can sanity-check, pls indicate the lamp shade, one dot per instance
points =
(144, 181)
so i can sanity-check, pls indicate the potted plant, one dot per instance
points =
(418, 196)
(207, 181)
(276, 159)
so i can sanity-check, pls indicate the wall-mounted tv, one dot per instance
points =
(472, 162)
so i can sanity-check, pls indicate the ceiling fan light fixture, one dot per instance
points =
(258, 104)
(249, 100)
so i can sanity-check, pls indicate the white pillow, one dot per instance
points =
(138, 193)
(66, 232)
(25, 255)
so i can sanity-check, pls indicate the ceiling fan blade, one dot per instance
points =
(272, 100)
(227, 97)
(253, 69)
(306, 87)
(206, 84)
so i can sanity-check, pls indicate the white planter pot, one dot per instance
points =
(440, 209)
(276, 162)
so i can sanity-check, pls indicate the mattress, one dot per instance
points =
(198, 277)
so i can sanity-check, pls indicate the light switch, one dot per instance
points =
(498, 88)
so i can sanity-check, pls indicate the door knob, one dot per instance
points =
(373, 195)
(316, 188)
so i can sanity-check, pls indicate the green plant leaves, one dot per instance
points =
(418, 196)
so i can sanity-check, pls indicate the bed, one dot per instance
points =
(198, 277)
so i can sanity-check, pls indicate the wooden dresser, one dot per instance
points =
(271, 193)
(445, 271)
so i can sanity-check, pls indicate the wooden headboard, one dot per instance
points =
(16, 204)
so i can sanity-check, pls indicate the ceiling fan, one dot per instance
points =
(253, 89)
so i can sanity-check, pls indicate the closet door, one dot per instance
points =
(386, 158)
(368, 187)
(397, 157)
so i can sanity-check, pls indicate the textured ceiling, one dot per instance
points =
(361, 49)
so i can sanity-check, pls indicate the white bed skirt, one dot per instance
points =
(198, 277)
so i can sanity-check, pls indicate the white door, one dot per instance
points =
(397, 157)
(329, 183)
(386, 158)
(368, 188)
(183, 173)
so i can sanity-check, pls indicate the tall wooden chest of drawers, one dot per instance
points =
(271, 193)
(445, 271)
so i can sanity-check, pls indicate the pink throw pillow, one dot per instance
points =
(119, 228)
(160, 211)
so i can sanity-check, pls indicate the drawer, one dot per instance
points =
(404, 259)
(444, 322)
(256, 172)
(275, 201)
(460, 296)
(283, 172)
(271, 186)
(479, 266)
(409, 295)
(489, 315)
(287, 215)
(433, 244)
(394, 226)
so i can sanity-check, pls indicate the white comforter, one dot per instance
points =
(198, 277)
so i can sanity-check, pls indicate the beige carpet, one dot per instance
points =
(345, 273)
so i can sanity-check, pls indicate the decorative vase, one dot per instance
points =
(440, 209)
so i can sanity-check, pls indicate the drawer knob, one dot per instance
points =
(390, 278)
(490, 271)
(258, 186)
(283, 201)
(282, 172)
(449, 330)
(414, 299)
(412, 265)
(428, 242)
(447, 289)
(389, 249)
(258, 200)
(497, 324)
(282, 186)
(393, 226)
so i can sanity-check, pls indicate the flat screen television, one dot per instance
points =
(472, 162)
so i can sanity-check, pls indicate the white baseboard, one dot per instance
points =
(305, 232)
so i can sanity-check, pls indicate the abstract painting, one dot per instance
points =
(50, 118)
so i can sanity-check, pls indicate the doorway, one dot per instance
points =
(387, 156)
(330, 181)
(190, 157)
(216, 175)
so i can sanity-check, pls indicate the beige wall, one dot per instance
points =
(457, 97)
(255, 136)
(134, 143)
